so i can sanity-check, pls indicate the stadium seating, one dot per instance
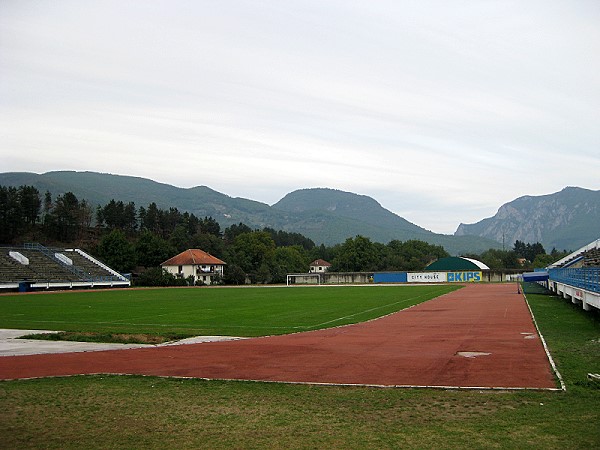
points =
(11, 270)
(42, 267)
(592, 258)
(90, 268)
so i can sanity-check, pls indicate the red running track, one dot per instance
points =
(419, 346)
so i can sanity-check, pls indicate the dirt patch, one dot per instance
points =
(472, 354)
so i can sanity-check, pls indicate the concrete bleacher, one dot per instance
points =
(37, 267)
(90, 268)
(11, 270)
(592, 258)
(46, 268)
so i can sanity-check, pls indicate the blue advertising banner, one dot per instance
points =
(389, 277)
(464, 277)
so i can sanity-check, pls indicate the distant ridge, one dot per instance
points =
(326, 216)
(565, 220)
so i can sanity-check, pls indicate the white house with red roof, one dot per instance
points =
(196, 263)
(319, 266)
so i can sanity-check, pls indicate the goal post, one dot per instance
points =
(305, 277)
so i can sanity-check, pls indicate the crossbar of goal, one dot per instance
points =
(292, 277)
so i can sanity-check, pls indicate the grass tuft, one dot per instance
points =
(112, 338)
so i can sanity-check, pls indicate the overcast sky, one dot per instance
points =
(440, 110)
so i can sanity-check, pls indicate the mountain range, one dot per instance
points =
(324, 215)
(568, 219)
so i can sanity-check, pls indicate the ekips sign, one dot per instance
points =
(464, 277)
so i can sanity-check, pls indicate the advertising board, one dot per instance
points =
(426, 277)
(464, 277)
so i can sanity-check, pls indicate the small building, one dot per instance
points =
(202, 266)
(319, 266)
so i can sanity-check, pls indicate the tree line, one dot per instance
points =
(132, 239)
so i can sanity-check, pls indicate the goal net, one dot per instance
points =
(303, 278)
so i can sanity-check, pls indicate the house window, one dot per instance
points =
(180, 269)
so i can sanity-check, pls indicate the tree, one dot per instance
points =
(287, 239)
(152, 250)
(208, 225)
(288, 260)
(253, 252)
(86, 214)
(493, 258)
(542, 261)
(534, 250)
(149, 218)
(130, 218)
(410, 255)
(191, 223)
(528, 251)
(117, 252)
(322, 252)
(356, 255)
(180, 238)
(47, 203)
(234, 231)
(520, 249)
(209, 243)
(157, 276)
(510, 260)
(168, 220)
(234, 274)
(11, 214)
(65, 218)
(31, 204)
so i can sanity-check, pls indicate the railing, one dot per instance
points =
(48, 253)
(585, 278)
(83, 275)
(116, 275)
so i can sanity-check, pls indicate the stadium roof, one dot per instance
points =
(568, 259)
(457, 263)
(193, 256)
(535, 276)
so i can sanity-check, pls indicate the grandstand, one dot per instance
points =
(35, 267)
(576, 276)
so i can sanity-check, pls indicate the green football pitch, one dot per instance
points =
(244, 311)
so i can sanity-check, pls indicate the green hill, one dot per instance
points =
(324, 215)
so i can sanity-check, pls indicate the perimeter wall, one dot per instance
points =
(490, 276)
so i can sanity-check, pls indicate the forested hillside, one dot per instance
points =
(131, 238)
(328, 217)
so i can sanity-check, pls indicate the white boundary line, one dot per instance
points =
(302, 383)
(563, 387)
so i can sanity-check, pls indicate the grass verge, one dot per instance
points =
(110, 338)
